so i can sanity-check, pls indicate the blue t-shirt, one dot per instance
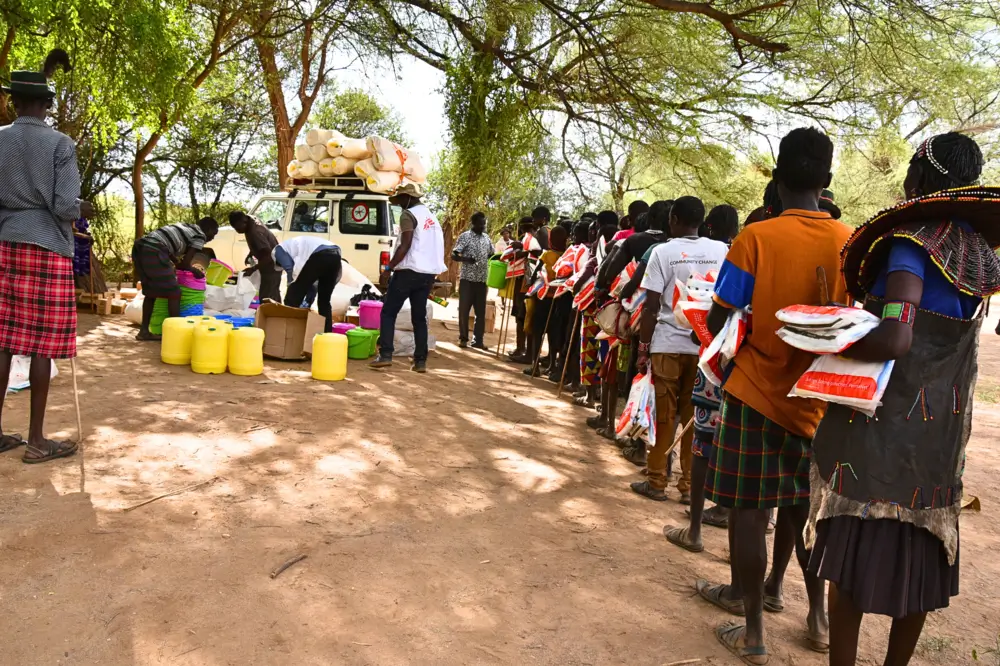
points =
(940, 295)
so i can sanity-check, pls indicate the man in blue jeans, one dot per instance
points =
(418, 259)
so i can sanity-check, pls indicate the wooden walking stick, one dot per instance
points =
(79, 426)
(504, 326)
(538, 353)
(824, 290)
(679, 437)
(569, 343)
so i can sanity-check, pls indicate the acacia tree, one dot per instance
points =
(301, 57)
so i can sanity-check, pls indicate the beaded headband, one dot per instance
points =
(927, 150)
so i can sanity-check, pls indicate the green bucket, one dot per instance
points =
(373, 334)
(496, 275)
(358, 344)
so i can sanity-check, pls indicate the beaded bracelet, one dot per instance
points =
(900, 311)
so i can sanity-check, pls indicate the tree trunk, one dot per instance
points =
(195, 208)
(137, 190)
(283, 136)
(8, 43)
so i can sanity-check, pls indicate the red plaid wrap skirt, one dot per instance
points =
(37, 302)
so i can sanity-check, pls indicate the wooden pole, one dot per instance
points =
(504, 325)
(569, 343)
(538, 353)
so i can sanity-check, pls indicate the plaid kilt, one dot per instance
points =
(757, 464)
(37, 302)
(155, 270)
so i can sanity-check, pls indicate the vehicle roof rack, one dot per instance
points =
(332, 184)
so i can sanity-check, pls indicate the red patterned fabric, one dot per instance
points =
(37, 302)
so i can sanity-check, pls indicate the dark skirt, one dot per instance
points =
(887, 567)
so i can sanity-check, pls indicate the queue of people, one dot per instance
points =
(824, 480)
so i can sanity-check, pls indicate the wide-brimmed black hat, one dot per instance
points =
(976, 206)
(29, 84)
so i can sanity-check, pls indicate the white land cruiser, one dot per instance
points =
(361, 223)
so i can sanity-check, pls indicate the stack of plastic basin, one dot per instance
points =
(329, 357)
(192, 301)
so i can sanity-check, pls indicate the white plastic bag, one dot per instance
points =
(824, 329)
(404, 321)
(715, 358)
(19, 369)
(639, 418)
(133, 310)
(856, 384)
(232, 298)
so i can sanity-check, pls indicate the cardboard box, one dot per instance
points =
(288, 332)
(491, 317)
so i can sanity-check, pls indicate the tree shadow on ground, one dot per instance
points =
(463, 516)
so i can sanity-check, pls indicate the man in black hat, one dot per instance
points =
(39, 202)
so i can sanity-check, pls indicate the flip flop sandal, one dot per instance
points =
(774, 605)
(818, 642)
(713, 595)
(731, 635)
(607, 433)
(711, 518)
(679, 537)
(10, 442)
(56, 450)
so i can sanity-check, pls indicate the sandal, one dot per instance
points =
(734, 637)
(55, 450)
(608, 432)
(148, 337)
(635, 454)
(774, 605)
(583, 401)
(717, 516)
(10, 442)
(646, 489)
(817, 641)
(713, 595)
(679, 536)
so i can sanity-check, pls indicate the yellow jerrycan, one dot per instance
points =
(210, 352)
(246, 351)
(329, 357)
(178, 336)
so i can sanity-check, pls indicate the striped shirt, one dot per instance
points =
(177, 239)
(39, 186)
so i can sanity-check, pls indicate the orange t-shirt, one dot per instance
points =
(771, 265)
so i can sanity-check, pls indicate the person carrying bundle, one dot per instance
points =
(667, 350)
(156, 258)
(543, 296)
(762, 446)
(517, 256)
(887, 491)
(314, 267)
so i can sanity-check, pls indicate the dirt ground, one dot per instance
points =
(461, 517)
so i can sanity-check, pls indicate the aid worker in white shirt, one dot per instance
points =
(418, 259)
(665, 348)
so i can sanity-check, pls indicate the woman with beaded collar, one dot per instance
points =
(886, 491)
